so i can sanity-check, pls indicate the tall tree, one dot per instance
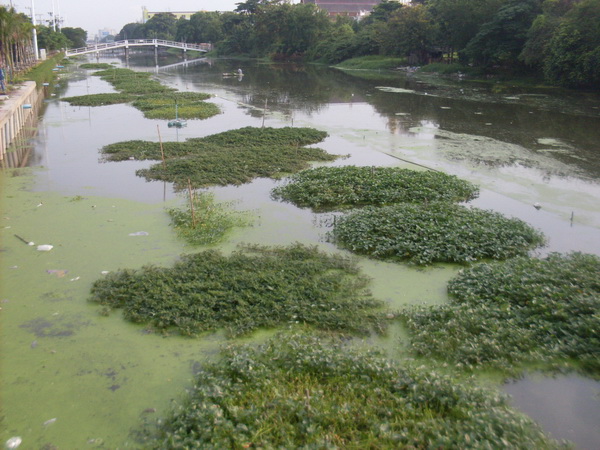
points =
(77, 36)
(501, 40)
(161, 26)
(574, 50)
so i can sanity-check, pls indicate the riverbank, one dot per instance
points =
(17, 111)
(20, 110)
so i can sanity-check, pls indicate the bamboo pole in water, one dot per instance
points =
(162, 152)
(192, 203)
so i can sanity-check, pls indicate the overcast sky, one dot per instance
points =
(93, 15)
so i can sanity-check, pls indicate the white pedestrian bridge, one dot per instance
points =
(129, 43)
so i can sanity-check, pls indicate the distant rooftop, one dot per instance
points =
(353, 8)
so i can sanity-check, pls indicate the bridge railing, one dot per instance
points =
(204, 47)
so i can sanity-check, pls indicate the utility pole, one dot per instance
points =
(35, 41)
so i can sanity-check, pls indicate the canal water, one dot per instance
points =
(72, 378)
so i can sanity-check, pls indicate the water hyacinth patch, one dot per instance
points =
(184, 105)
(99, 99)
(298, 391)
(522, 310)
(131, 82)
(253, 287)
(231, 157)
(435, 232)
(351, 186)
(95, 66)
(233, 165)
(208, 222)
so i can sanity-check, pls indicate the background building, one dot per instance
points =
(353, 8)
(147, 15)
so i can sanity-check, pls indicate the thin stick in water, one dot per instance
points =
(192, 203)
(162, 151)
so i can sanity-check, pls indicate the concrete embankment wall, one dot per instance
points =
(17, 113)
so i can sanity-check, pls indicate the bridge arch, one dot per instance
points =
(128, 43)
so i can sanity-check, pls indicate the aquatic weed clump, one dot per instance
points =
(435, 232)
(300, 391)
(233, 165)
(184, 105)
(104, 99)
(522, 310)
(131, 82)
(253, 287)
(351, 186)
(232, 157)
(205, 222)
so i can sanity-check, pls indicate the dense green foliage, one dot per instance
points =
(349, 186)
(232, 157)
(16, 46)
(371, 63)
(95, 66)
(131, 82)
(298, 391)
(558, 39)
(155, 100)
(112, 98)
(234, 165)
(522, 310)
(253, 287)
(206, 222)
(185, 105)
(438, 232)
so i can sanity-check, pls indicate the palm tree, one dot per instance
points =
(15, 41)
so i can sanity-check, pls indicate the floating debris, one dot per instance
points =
(13, 442)
(60, 273)
(44, 247)
(24, 240)
(49, 421)
(536, 205)
(139, 233)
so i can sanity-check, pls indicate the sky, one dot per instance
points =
(94, 15)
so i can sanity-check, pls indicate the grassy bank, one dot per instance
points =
(372, 62)
(44, 72)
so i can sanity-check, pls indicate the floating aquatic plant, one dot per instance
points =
(184, 105)
(299, 391)
(99, 99)
(203, 221)
(350, 186)
(436, 232)
(522, 310)
(253, 287)
(132, 82)
(231, 157)
(233, 165)
(95, 66)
